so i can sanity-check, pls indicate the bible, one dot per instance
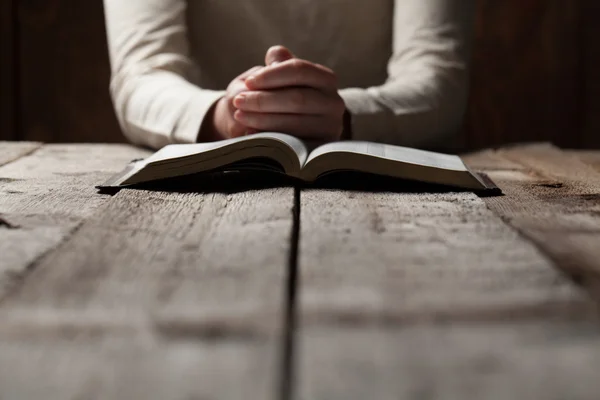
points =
(284, 154)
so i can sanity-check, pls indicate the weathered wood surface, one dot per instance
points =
(433, 296)
(553, 199)
(181, 293)
(589, 157)
(45, 196)
(137, 366)
(199, 279)
(153, 295)
(11, 151)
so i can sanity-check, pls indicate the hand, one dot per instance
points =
(220, 123)
(293, 96)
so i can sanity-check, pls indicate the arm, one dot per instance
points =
(152, 73)
(425, 96)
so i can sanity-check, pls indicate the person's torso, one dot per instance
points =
(353, 37)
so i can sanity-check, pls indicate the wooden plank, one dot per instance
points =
(46, 195)
(412, 295)
(136, 367)
(555, 202)
(538, 98)
(12, 151)
(64, 78)
(8, 42)
(590, 157)
(200, 276)
(511, 360)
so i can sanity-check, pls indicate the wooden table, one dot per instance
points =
(315, 294)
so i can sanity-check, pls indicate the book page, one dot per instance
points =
(393, 153)
(178, 151)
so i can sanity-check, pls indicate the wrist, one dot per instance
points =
(211, 130)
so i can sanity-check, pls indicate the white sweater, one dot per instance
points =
(401, 64)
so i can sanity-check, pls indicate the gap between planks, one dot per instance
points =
(288, 352)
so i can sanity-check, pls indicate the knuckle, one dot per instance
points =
(258, 101)
(298, 65)
(253, 69)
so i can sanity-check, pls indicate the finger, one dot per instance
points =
(305, 126)
(248, 73)
(293, 72)
(277, 54)
(289, 101)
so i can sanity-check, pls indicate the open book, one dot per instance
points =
(288, 155)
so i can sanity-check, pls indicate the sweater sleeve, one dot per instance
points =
(152, 74)
(423, 101)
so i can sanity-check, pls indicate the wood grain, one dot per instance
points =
(12, 151)
(526, 81)
(64, 74)
(555, 202)
(8, 49)
(46, 195)
(174, 294)
(413, 295)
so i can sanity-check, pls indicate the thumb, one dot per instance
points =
(277, 54)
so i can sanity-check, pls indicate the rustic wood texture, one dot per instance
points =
(64, 72)
(159, 295)
(11, 151)
(589, 77)
(7, 70)
(526, 79)
(554, 200)
(198, 279)
(592, 158)
(46, 195)
(432, 296)
(224, 291)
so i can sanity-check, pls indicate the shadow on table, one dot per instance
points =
(241, 181)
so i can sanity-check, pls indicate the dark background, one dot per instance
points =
(536, 74)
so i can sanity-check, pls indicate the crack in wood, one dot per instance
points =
(4, 223)
(288, 350)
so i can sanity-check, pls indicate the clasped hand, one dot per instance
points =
(288, 95)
